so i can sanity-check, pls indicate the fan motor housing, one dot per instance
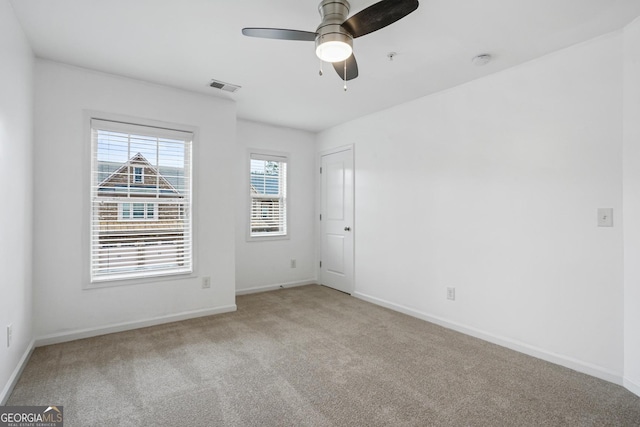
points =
(333, 14)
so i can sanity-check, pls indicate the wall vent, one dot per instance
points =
(227, 87)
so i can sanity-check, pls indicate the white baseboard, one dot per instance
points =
(558, 359)
(15, 376)
(126, 326)
(631, 386)
(274, 287)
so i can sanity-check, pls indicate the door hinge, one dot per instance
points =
(320, 169)
(320, 217)
(320, 264)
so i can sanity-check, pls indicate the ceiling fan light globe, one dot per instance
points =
(334, 51)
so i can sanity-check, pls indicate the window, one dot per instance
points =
(137, 211)
(268, 192)
(140, 201)
(138, 176)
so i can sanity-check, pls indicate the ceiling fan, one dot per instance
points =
(334, 36)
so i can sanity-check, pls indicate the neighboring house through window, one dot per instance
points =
(268, 193)
(140, 201)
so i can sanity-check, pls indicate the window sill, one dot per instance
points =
(112, 283)
(266, 238)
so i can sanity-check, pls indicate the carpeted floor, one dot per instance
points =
(311, 356)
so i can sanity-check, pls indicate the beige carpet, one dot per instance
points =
(311, 356)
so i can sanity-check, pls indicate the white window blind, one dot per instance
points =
(268, 190)
(140, 201)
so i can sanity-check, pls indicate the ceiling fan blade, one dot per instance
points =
(352, 68)
(378, 16)
(279, 33)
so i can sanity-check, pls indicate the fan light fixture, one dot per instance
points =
(334, 47)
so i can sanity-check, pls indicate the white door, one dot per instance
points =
(336, 219)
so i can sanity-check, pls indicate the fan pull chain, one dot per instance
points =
(345, 75)
(321, 62)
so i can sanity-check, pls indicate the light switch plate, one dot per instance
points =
(605, 217)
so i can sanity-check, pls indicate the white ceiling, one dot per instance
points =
(187, 43)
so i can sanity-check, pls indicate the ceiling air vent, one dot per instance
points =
(227, 87)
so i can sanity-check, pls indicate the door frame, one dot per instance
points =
(320, 154)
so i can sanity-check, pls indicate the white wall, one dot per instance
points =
(492, 188)
(62, 306)
(262, 265)
(16, 151)
(632, 206)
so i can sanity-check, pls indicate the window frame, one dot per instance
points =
(136, 174)
(88, 281)
(145, 216)
(268, 155)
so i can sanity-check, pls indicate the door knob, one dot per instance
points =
(347, 229)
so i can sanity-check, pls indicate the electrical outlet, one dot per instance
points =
(206, 282)
(9, 334)
(293, 263)
(605, 217)
(451, 294)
